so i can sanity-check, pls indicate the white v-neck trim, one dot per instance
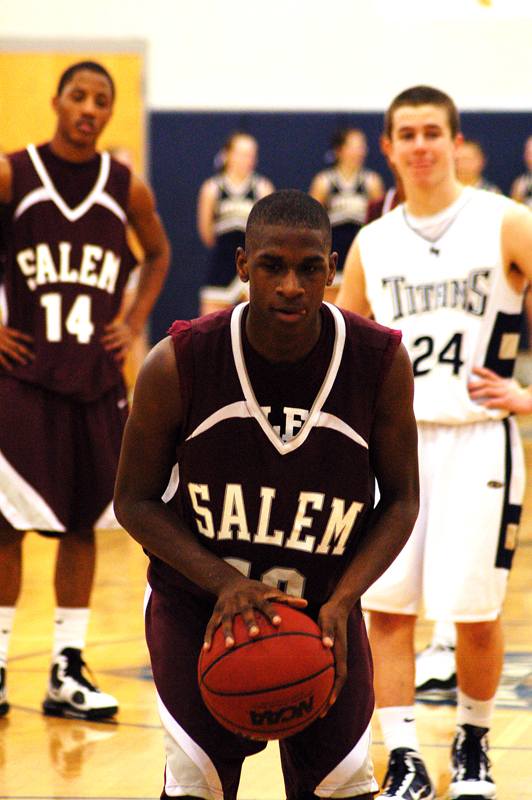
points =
(48, 191)
(249, 395)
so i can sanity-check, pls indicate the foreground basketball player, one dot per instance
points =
(63, 400)
(449, 268)
(259, 428)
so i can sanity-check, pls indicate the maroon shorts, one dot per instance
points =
(175, 629)
(58, 457)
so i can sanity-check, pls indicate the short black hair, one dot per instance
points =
(423, 96)
(92, 66)
(292, 208)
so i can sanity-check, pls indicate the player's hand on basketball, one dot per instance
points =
(118, 338)
(246, 597)
(332, 620)
(15, 347)
(492, 391)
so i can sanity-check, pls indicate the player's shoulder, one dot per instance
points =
(388, 221)
(485, 197)
(209, 325)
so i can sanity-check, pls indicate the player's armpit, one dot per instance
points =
(352, 294)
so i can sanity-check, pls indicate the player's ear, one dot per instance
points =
(242, 264)
(333, 261)
(385, 145)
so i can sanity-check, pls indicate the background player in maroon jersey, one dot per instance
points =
(276, 413)
(65, 211)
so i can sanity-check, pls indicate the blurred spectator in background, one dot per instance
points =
(224, 203)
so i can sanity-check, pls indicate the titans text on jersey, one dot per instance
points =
(469, 294)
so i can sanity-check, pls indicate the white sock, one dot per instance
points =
(398, 726)
(70, 628)
(474, 712)
(7, 615)
(444, 633)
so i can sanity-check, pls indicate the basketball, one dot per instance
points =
(271, 685)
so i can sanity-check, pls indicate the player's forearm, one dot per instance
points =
(162, 533)
(387, 532)
(153, 272)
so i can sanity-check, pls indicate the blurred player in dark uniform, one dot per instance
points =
(230, 478)
(224, 203)
(345, 191)
(64, 216)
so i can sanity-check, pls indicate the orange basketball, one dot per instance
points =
(271, 685)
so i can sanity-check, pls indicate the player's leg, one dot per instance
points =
(473, 572)
(95, 431)
(393, 603)
(392, 645)
(203, 759)
(71, 691)
(10, 583)
(331, 758)
(26, 494)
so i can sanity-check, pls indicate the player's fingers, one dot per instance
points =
(212, 625)
(247, 611)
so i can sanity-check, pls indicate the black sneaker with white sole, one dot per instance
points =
(71, 694)
(406, 777)
(470, 765)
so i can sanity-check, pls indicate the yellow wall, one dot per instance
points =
(28, 81)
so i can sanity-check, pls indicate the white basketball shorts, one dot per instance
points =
(457, 559)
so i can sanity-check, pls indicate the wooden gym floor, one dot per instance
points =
(43, 758)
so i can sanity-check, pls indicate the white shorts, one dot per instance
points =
(457, 560)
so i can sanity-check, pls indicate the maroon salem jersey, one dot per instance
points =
(273, 470)
(67, 263)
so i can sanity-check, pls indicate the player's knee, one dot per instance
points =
(390, 624)
(479, 635)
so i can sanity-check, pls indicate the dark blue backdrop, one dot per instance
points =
(292, 148)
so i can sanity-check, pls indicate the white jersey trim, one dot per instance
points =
(21, 505)
(208, 780)
(249, 407)
(48, 191)
(342, 780)
(253, 407)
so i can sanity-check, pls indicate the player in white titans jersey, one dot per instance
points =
(449, 268)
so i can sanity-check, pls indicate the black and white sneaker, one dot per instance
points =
(4, 705)
(69, 692)
(436, 672)
(470, 765)
(407, 777)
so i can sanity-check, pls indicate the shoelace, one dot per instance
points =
(399, 767)
(471, 754)
(75, 665)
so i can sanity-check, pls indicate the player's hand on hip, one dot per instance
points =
(246, 597)
(492, 391)
(14, 347)
(332, 620)
(118, 338)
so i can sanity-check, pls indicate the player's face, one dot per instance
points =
(84, 107)
(242, 156)
(421, 147)
(354, 149)
(288, 270)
